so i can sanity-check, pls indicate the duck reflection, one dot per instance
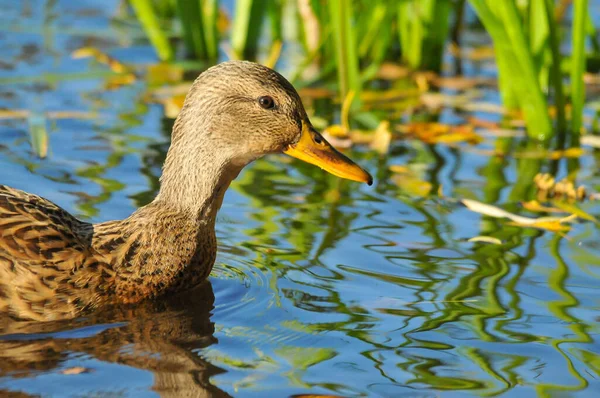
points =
(160, 337)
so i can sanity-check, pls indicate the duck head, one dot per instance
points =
(246, 111)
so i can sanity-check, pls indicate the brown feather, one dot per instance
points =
(53, 266)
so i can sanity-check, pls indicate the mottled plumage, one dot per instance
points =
(53, 266)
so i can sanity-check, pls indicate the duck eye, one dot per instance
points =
(266, 102)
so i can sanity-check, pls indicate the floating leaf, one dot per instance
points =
(460, 82)
(314, 396)
(395, 168)
(125, 74)
(172, 105)
(390, 71)
(315, 92)
(568, 153)
(164, 73)
(409, 181)
(550, 223)
(336, 130)
(544, 154)
(75, 370)
(382, 138)
(434, 133)
(486, 239)
(13, 114)
(38, 134)
(99, 56)
(591, 140)
(534, 205)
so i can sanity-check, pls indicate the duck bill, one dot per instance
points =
(314, 149)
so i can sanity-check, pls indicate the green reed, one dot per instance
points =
(148, 15)
(423, 30)
(350, 39)
(195, 22)
(578, 61)
(527, 42)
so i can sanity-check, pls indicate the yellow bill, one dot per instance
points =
(314, 149)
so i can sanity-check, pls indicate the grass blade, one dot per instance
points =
(578, 67)
(248, 19)
(150, 23)
(556, 74)
(345, 46)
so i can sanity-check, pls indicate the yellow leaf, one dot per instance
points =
(534, 205)
(406, 179)
(567, 153)
(164, 73)
(99, 56)
(336, 131)
(383, 137)
(13, 114)
(395, 168)
(550, 223)
(345, 113)
(75, 370)
(433, 133)
(274, 54)
(390, 71)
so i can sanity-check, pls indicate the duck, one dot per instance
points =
(54, 266)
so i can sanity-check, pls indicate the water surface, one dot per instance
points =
(321, 285)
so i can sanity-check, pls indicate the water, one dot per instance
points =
(321, 285)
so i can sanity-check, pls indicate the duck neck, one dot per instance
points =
(196, 175)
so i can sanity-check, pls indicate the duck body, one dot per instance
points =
(54, 266)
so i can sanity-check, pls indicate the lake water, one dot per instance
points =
(321, 286)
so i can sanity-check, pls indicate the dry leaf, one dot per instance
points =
(409, 181)
(534, 205)
(315, 93)
(75, 370)
(567, 153)
(335, 130)
(479, 53)
(486, 239)
(382, 138)
(99, 56)
(434, 133)
(460, 82)
(338, 142)
(544, 154)
(13, 114)
(591, 140)
(164, 73)
(396, 168)
(548, 223)
(392, 95)
(486, 107)
(390, 71)
(172, 105)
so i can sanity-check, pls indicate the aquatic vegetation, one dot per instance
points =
(354, 38)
